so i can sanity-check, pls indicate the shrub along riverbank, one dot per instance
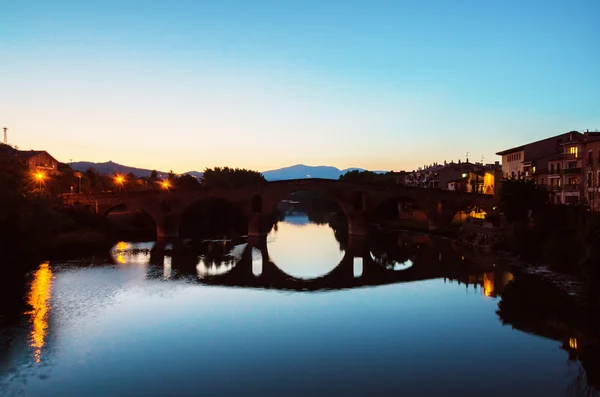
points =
(564, 238)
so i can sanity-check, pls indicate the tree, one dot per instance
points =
(186, 182)
(367, 177)
(231, 177)
(153, 176)
(518, 197)
(130, 177)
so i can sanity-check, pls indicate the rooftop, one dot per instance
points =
(521, 147)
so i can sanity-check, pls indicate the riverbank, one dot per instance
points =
(574, 287)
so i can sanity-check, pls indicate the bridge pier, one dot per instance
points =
(356, 224)
(167, 227)
(258, 225)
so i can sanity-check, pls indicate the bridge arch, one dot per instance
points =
(131, 218)
(211, 217)
(271, 201)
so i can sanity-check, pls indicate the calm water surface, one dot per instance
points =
(300, 315)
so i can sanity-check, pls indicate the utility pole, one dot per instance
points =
(5, 136)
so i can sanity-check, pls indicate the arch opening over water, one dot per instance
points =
(211, 218)
(305, 243)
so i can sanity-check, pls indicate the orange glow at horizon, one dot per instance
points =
(38, 298)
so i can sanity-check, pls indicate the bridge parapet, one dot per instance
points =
(354, 199)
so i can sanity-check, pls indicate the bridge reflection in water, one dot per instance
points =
(527, 304)
(381, 260)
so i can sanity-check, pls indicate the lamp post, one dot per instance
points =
(78, 175)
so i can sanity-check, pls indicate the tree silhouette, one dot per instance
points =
(186, 182)
(231, 177)
(367, 177)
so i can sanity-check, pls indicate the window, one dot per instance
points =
(558, 168)
(572, 164)
(589, 180)
(559, 183)
(533, 169)
(590, 197)
(551, 183)
(574, 150)
(571, 199)
(589, 159)
(552, 168)
(542, 181)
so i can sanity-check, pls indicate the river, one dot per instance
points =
(296, 314)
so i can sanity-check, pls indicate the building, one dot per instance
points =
(459, 176)
(567, 164)
(527, 160)
(573, 175)
(38, 161)
(399, 177)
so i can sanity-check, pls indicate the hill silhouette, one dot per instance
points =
(298, 171)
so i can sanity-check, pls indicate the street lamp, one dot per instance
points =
(119, 181)
(39, 177)
(165, 185)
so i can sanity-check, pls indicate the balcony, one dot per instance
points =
(572, 171)
(571, 187)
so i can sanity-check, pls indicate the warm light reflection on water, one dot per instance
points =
(488, 284)
(39, 299)
(131, 253)
(573, 343)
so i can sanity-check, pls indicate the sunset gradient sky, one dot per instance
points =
(184, 85)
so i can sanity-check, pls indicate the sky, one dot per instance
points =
(386, 85)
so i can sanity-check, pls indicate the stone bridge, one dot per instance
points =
(256, 202)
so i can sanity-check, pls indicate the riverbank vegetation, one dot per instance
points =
(33, 224)
(564, 237)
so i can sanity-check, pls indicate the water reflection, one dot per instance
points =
(141, 321)
(286, 248)
(534, 307)
(138, 253)
(39, 300)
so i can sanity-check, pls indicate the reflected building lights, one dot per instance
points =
(488, 284)
(573, 343)
(39, 299)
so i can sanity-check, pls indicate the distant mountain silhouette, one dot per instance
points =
(111, 168)
(298, 171)
(301, 171)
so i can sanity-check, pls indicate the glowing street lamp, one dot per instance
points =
(119, 180)
(39, 177)
(165, 185)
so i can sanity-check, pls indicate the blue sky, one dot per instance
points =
(185, 85)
